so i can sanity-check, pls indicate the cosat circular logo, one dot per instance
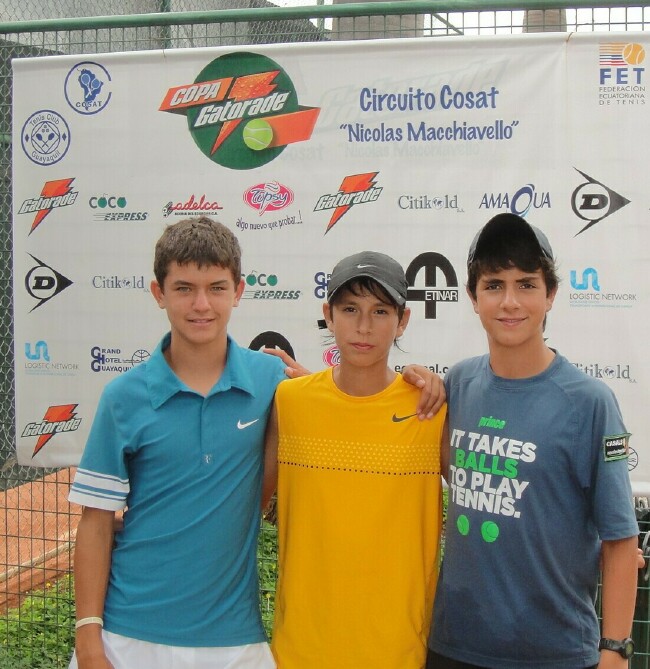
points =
(242, 110)
(87, 87)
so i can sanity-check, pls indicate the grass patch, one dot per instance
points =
(40, 633)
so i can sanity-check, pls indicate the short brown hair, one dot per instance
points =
(198, 240)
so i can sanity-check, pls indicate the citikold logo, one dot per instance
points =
(242, 110)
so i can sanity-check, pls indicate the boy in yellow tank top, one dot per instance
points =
(359, 490)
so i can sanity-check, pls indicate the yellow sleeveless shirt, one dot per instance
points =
(359, 519)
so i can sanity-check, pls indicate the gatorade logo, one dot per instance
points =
(242, 110)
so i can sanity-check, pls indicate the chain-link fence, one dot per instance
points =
(36, 601)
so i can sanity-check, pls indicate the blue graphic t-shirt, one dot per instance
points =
(538, 476)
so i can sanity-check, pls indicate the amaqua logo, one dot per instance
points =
(519, 202)
(242, 110)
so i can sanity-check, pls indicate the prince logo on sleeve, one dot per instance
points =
(616, 447)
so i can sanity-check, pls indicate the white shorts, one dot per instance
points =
(127, 653)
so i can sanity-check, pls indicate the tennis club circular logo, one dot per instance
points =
(242, 110)
(45, 137)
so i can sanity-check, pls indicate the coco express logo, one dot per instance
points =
(242, 110)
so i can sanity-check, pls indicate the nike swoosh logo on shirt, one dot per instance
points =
(243, 426)
(399, 419)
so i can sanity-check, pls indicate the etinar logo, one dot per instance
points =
(431, 294)
(271, 339)
(242, 110)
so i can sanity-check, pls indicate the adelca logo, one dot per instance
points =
(242, 110)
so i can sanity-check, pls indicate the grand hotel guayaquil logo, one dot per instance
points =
(242, 110)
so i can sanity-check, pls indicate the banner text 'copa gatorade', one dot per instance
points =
(242, 110)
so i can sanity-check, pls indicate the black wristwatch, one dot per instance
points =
(624, 648)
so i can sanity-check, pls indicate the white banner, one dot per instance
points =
(311, 152)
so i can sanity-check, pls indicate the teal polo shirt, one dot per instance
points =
(188, 470)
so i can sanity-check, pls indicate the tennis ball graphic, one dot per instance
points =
(257, 134)
(633, 54)
(489, 531)
(463, 525)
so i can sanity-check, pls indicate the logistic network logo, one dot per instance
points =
(354, 189)
(242, 110)
(54, 194)
(592, 201)
(57, 419)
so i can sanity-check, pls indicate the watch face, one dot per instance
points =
(628, 648)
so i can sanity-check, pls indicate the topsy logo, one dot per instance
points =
(242, 110)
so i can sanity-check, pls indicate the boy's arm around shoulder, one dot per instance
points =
(270, 480)
(445, 450)
(92, 563)
(620, 564)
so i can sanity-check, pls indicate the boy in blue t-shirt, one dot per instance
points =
(538, 485)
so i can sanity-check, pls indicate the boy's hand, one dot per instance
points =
(293, 369)
(433, 394)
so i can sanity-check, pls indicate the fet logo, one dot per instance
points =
(57, 419)
(432, 263)
(354, 189)
(55, 194)
(242, 110)
(620, 63)
(592, 201)
(269, 196)
(43, 282)
(332, 356)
